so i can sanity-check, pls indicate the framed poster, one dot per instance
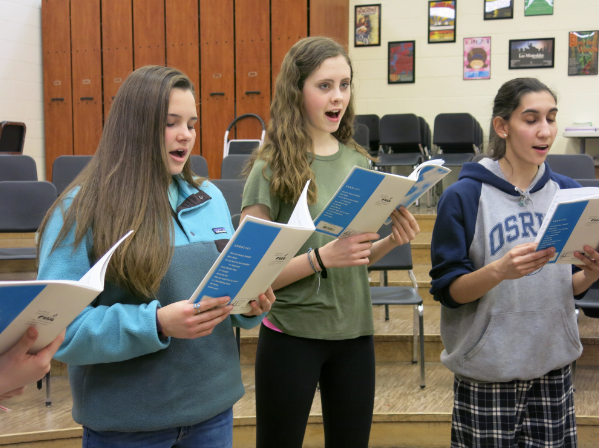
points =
(441, 21)
(582, 53)
(538, 7)
(401, 65)
(532, 53)
(477, 58)
(498, 9)
(367, 26)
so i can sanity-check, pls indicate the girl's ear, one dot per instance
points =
(501, 127)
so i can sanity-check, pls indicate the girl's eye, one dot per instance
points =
(530, 122)
(345, 85)
(190, 128)
(323, 86)
(170, 125)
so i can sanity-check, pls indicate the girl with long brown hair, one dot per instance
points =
(320, 329)
(146, 367)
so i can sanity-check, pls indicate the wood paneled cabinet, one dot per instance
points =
(231, 50)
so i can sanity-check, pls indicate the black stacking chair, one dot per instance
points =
(575, 166)
(372, 122)
(425, 133)
(12, 137)
(400, 258)
(232, 190)
(17, 168)
(232, 166)
(457, 137)
(65, 169)
(199, 165)
(361, 136)
(401, 140)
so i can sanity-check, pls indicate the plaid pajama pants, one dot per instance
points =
(520, 414)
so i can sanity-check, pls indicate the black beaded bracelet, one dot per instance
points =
(323, 273)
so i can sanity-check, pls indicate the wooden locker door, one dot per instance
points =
(148, 32)
(117, 47)
(87, 75)
(182, 50)
(289, 24)
(252, 56)
(58, 112)
(217, 78)
(330, 18)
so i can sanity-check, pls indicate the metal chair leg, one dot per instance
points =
(415, 344)
(238, 338)
(421, 319)
(48, 397)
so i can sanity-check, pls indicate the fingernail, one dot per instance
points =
(31, 332)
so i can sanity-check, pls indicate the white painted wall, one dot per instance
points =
(439, 87)
(21, 78)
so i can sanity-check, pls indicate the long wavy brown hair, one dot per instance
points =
(288, 148)
(125, 185)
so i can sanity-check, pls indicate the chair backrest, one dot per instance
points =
(588, 183)
(399, 258)
(576, 166)
(232, 190)
(372, 121)
(12, 137)
(479, 157)
(232, 166)
(237, 147)
(17, 167)
(425, 134)
(199, 165)
(362, 136)
(242, 146)
(65, 169)
(455, 133)
(24, 204)
(401, 132)
(235, 220)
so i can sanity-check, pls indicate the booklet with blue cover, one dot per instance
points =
(571, 222)
(48, 305)
(366, 198)
(255, 256)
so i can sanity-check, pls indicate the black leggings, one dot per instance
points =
(288, 369)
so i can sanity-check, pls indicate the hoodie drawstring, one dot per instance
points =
(524, 196)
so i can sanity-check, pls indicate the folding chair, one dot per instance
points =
(232, 166)
(361, 136)
(65, 169)
(575, 166)
(232, 190)
(12, 137)
(401, 140)
(199, 165)
(400, 258)
(372, 122)
(17, 168)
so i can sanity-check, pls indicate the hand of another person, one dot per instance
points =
(522, 260)
(18, 368)
(351, 251)
(404, 228)
(183, 321)
(263, 304)
(591, 263)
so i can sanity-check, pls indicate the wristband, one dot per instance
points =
(323, 272)
(311, 262)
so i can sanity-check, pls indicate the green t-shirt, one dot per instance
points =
(341, 308)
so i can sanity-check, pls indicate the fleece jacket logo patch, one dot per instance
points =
(218, 230)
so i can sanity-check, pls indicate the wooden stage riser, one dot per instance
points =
(383, 435)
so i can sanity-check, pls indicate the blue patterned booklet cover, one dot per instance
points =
(571, 222)
(48, 305)
(255, 256)
(366, 198)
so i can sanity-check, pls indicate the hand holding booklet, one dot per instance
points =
(571, 223)
(255, 256)
(48, 305)
(366, 198)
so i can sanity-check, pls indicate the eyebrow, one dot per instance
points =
(332, 80)
(534, 111)
(179, 116)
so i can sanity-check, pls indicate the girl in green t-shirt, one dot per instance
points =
(320, 329)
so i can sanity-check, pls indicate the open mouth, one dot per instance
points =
(333, 113)
(541, 147)
(178, 153)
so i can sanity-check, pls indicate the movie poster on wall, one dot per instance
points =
(367, 26)
(582, 53)
(532, 53)
(499, 9)
(477, 58)
(538, 7)
(401, 67)
(441, 21)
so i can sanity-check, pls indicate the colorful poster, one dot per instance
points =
(538, 7)
(582, 53)
(531, 53)
(441, 21)
(401, 62)
(499, 9)
(477, 58)
(368, 26)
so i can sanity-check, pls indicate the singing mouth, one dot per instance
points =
(333, 113)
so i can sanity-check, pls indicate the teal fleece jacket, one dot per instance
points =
(123, 376)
